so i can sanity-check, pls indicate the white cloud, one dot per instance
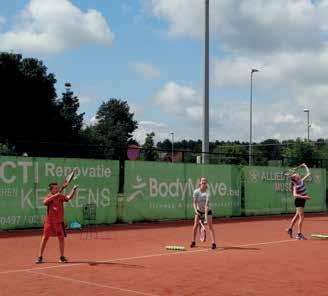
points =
(229, 119)
(249, 25)
(90, 121)
(316, 131)
(184, 17)
(282, 70)
(47, 26)
(285, 118)
(315, 99)
(300, 76)
(147, 71)
(161, 131)
(235, 71)
(180, 100)
(93, 120)
(285, 39)
(282, 118)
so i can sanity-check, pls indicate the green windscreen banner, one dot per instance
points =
(154, 191)
(24, 184)
(158, 191)
(268, 191)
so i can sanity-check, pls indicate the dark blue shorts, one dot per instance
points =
(209, 213)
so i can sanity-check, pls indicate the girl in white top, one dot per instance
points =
(202, 206)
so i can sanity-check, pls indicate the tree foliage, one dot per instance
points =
(30, 114)
(68, 108)
(149, 152)
(114, 127)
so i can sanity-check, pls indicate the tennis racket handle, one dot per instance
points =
(62, 188)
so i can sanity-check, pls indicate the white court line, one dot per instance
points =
(268, 243)
(106, 261)
(141, 257)
(91, 283)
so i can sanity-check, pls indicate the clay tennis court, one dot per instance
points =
(255, 257)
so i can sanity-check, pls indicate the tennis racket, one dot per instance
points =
(202, 230)
(291, 171)
(297, 170)
(68, 180)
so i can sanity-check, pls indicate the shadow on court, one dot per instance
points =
(96, 263)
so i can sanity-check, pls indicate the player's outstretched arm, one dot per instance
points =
(308, 173)
(50, 198)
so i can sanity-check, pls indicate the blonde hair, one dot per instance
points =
(201, 179)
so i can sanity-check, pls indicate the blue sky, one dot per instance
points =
(150, 53)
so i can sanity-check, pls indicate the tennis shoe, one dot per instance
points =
(290, 232)
(192, 245)
(213, 246)
(39, 260)
(63, 259)
(300, 236)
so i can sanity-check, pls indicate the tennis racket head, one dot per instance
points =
(69, 178)
(202, 231)
(289, 172)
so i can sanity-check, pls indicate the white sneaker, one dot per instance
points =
(300, 236)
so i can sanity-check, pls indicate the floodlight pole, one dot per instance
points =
(307, 111)
(250, 152)
(205, 144)
(172, 134)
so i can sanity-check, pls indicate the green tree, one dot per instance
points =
(300, 151)
(28, 100)
(270, 149)
(114, 127)
(187, 145)
(5, 149)
(265, 151)
(231, 153)
(322, 149)
(68, 108)
(166, 145)
(148, 148)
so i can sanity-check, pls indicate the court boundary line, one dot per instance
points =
(91, 283)
(66, 265)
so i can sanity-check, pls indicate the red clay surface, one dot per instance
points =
(255, 257)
